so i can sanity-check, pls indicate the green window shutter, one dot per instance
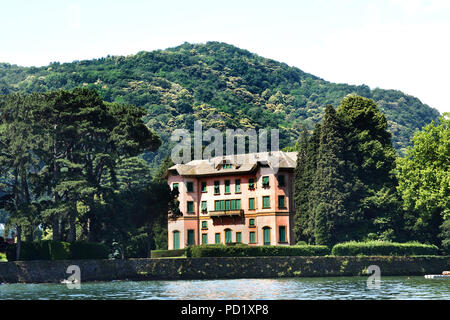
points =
(227, 186)
(266, 202)
(251, 222)
(281, 203)
(175, 186)
(282, 231)
(217, 238)
(238, 204)
(204, 238)
(190, 207)
(251, 184)
(203, 186)
(227, 236)
(233, 204)
(266, 236)
(222, 205)
(238, 237)
(251, 203)
(191, 237)
(204, 224)
(176, 240)
(217, 205)
(190, 186)
(227, 205)
(265, 181)
(204, 206)
(252, 237)
(237, 185)
(216, 187)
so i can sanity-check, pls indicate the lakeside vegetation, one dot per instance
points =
(351, 185)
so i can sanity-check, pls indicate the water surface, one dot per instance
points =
(348, 288)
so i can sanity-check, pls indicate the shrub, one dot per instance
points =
(383, 248)
(256, 251)
(88, 250)
(3, 257)
(168, 253)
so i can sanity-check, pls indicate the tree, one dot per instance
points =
(330, 183)
(424, 181)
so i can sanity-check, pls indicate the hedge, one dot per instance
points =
(39, 250)
(168, 253)
(80, 250)
(383, 248)
(56, 250)
(256, 251)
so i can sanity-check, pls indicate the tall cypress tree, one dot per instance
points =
(330, 182)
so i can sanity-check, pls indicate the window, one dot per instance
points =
(175, 186)
(228, 166)
(190, 207)
(238, 237)
(281, 203)
(251, 184)
(227, 205)
(281, 182)
(266, 232)
(204, 224)
(252, 237)
(265, 181)
(282, 232)
(190, 238)
(204, 187)
(233, 204)
(190, 186)
(238, 204)
(204, 238)
(227, 186)
(176, 240)
(217, 238)
(251, 222)
(227, 236)
(217, 205)
(237, 186)
(266, 202)
(216, 187)
(204, 206)
(251, 203)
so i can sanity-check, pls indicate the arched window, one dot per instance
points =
(266, 234)
(176, 240)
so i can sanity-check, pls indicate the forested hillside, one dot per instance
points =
(224, 86)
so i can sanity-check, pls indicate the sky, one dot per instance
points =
(389, 44)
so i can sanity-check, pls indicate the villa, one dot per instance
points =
(241, 198)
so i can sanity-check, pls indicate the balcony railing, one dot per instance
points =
(226, 213)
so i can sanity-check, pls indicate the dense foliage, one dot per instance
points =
(344, 179)
(383, 248)
(424, 182)
(69, 165)
(224, 86)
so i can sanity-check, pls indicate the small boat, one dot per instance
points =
(444, 275)
(65, 281)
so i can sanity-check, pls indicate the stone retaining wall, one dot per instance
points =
(218, 268)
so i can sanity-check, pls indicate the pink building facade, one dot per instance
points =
(224, 200)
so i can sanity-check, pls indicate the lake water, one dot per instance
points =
(245, 289)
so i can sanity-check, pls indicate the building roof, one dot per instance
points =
(242, 163)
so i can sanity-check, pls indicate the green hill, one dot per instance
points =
(224, 86)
